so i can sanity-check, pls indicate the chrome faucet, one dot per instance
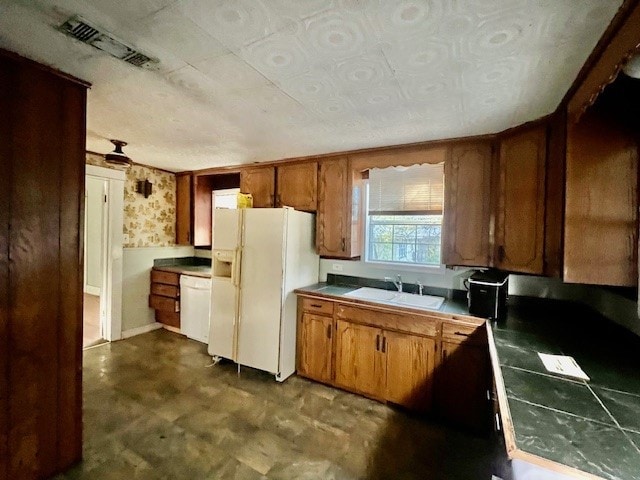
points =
(397, 283)
(420, 286)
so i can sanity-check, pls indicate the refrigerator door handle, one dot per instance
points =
(235, 268)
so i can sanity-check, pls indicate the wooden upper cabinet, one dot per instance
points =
(261, 183)
(410, 364)
(519, 237)
(297, 186)
(601, 230)
(467, 206)
(339, 217)
(184, 235)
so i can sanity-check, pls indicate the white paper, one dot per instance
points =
(563, 365)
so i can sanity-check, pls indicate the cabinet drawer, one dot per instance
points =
(409, 323)
(169, 278)
(165, 290)
(164, 304)
(458, 333)
(321, 307)
(171, 319)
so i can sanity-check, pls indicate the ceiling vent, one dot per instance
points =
(78, 28)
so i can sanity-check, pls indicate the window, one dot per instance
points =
(404, 215)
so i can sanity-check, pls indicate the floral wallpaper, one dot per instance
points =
(149, 222)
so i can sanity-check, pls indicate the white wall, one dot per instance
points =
(432, 277)
(136, 271)
(94, 234)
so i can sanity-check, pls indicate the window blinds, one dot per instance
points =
(415, 190)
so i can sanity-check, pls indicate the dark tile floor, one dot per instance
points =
(154, 408)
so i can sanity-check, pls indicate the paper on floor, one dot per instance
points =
(563, 365)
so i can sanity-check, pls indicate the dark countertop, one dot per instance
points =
(194, 266)
(593, 426)
(450, 306)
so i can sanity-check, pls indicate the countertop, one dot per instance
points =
(450, 306)
(570, 426)
(593, 426)
(193, 270)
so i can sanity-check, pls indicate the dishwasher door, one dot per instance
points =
(195, 303)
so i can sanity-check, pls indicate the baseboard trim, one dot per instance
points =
(172, 329)
(132, 332)
(91, 290)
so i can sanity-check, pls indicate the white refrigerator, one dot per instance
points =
(259, 257)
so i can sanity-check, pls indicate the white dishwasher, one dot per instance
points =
(195, 302)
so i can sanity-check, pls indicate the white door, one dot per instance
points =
(195, 299)
(94, 249)
(224, 292)
(261, 282)
(226, 230)
(223, 320)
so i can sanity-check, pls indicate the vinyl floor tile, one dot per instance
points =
(155, 408)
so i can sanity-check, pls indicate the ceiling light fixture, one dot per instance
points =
(632, 67)
(117, 157)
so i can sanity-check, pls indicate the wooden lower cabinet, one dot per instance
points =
(462, 382)
(165, 297)
(360, 363)
(410, 364)
(393, 366)
(315, 346)
(424, 362)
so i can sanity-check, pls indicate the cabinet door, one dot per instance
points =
(297, 186)
(601, 239)
(520, 215)
(359, 360)
(261, 183)
(467, 205)
(462, 383)
(410, 362)
(314, 347)
(183, 210)
(334, 209)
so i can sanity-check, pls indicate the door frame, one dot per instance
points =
(103, 238)
(111, 298)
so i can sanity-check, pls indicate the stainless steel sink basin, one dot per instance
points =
(428, 302)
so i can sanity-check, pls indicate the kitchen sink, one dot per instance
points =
(421, 301)
(397, 298)
(366, 293)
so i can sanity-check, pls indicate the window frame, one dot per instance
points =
(414, 267)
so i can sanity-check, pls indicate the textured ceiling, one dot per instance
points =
(253, 80)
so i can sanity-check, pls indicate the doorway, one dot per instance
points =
(103, 225)
(95, 230)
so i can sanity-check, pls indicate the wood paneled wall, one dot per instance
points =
(41, 199)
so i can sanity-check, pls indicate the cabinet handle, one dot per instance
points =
(500, 253)
(315, 305)
(328, 331)
(344, 244)
(384, 344)
(462, 334)
(377, 343)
